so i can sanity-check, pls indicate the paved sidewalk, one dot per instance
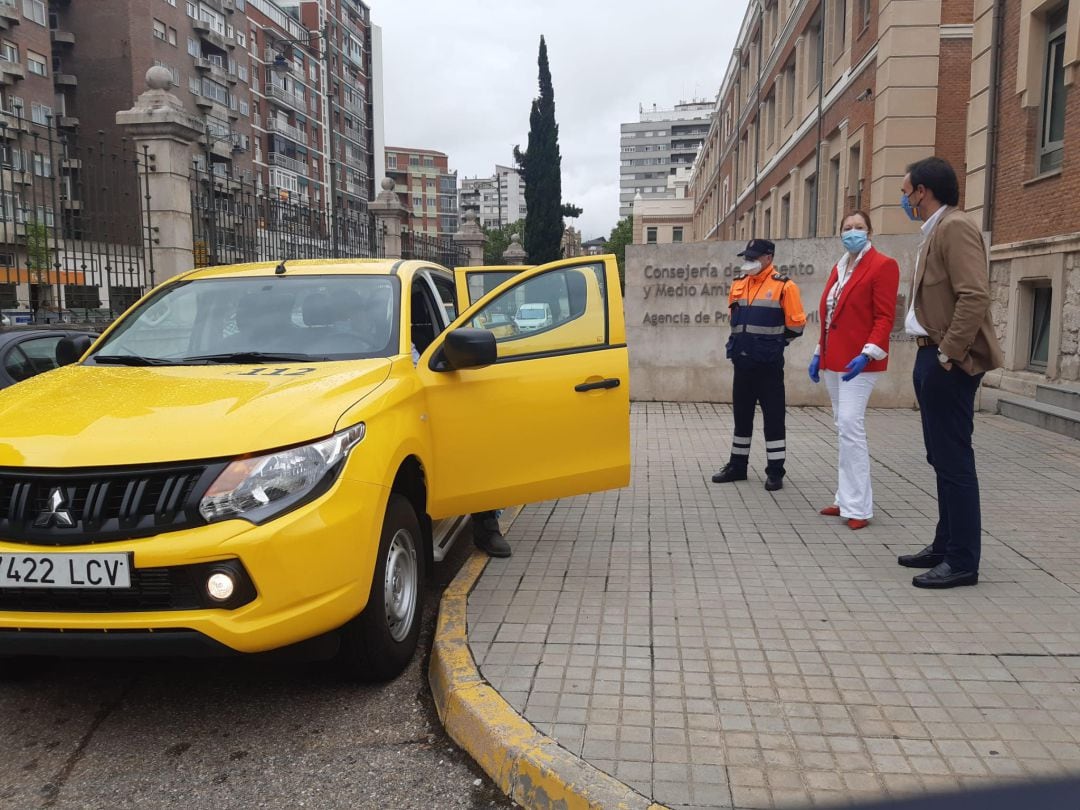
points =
(721, 646)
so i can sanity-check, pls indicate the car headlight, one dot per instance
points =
(260, 488)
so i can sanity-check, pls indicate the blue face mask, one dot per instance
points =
(909, 209)
(855, 240)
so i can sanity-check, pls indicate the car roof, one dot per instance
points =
(315, 267)
(12, 333)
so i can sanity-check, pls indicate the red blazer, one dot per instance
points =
(864, 314)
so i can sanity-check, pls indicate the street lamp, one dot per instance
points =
(208, 145)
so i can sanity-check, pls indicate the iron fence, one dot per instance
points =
(238, 220)
(442, 249)
(74, 230)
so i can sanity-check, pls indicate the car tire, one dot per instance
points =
(380, 642)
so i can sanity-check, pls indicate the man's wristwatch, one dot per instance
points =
(943, 358)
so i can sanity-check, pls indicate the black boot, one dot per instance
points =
(488, 536)
(730, 473)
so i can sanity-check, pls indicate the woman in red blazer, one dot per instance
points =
(857, 311)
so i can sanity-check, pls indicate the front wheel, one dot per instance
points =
(379, 643)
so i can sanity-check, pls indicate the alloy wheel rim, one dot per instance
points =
(400, 586)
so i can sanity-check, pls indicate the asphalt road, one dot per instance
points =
(234, 734)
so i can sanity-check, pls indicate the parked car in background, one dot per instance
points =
(533, 316)
(26, 351)
(4, 320)
(251, 457)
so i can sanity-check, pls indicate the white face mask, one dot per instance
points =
(751, 267)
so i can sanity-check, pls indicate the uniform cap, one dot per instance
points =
(758, 247)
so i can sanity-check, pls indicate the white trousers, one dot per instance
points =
(854, 493)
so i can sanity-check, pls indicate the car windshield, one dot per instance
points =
(531, 312)
(259, 319)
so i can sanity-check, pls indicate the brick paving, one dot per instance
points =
(719, 646)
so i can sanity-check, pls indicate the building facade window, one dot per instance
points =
(36, 63)
(9, 52)
(40, 113)
(34, 10)
(159, 30)
(677, 233)
(1039, 352)
(650, 236)
(1052, 129)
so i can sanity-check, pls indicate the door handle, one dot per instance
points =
(611, 382)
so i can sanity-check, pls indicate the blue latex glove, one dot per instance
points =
(815, 368)
(855, 367)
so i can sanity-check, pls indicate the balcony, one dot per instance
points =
(270, 55)
(65, 80)
(11, 72)
(211, 37)
(70, 164)
(16, 177)
(66, 122)
(216, 70)
(62, 37)
(356, 108)
(286, 162)
(286, 97)
(288, 130)
(9, 14)
(11, 125)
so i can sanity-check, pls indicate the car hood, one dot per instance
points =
(92, 416)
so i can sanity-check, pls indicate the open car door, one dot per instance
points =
(537, 414)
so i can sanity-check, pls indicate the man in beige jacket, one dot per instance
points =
(949, 317)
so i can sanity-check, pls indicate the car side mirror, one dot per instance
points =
(70, 349)
(468, 348)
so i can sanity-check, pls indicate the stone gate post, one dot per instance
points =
(389, 217)
(471, 237)
(159, 123)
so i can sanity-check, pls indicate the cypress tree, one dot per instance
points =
(541, 168)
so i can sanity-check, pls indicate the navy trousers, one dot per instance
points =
(750, 387)
(947, 402)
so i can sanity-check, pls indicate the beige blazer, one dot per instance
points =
(952, 294)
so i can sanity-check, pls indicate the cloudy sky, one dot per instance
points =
(460, 78)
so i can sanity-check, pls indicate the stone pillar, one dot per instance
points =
(389, 218)
(471, 237)
(515, 254)
(159, 123)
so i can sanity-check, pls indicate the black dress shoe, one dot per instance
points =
(943, 576)
(927, 558)
(773, 483)
(729, 473)
(488, 536)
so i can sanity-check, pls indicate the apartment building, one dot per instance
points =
(499, 200)
(345, 30)
(1023, 181)
(426, 187)
(656, 145)
(823, 106)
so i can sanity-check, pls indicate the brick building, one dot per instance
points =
(1023, 179)
(426, 187)
(823, 106)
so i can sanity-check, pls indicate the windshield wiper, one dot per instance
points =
(130, 360)
(251, 357)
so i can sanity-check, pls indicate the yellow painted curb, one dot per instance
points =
(531, 768)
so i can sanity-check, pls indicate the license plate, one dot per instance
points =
(65, 570)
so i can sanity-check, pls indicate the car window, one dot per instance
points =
(426, 324)
(40, 353)
(448, 296)
(321, 317)
(17, 365)
(480, 282)
(560, 310)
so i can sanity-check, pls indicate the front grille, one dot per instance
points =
(179, 587)
(63, 507)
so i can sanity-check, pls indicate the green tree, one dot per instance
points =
(541, 167)
(497, 240)
(37, 246)
(571, 211)
(621, 236)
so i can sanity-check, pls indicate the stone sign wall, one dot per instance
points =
(677, 319)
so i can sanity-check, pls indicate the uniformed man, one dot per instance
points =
(766, 315)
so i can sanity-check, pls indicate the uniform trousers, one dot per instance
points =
(854, 492)
(750, 387)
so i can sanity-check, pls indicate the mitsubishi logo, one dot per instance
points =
(54, 513)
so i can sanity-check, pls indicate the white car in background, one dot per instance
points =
(4, 320)
(531, 317)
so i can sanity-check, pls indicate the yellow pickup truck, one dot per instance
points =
(260, 455)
